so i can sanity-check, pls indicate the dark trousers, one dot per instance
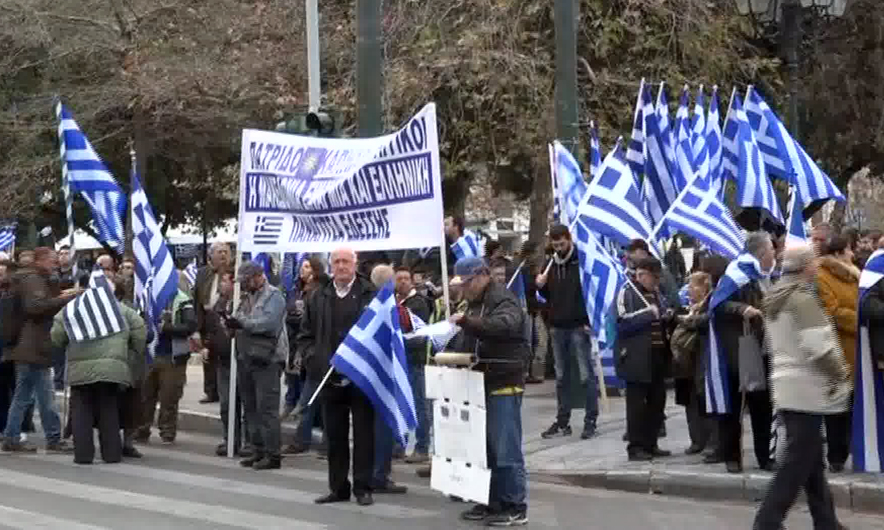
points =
(339, 403)
(699, 425)
(210, 377)
(7, 388)
(644, 413)
(59, 364)
(224, 395)
(838, 427)
(165, 383)
(96, 405)
(260, 383)
(730, 425)
(803, 467)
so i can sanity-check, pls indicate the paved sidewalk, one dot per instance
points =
(601, 462)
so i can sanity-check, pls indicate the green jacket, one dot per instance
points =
(106, 360)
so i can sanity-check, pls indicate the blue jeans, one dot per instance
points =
(383, 451)
(308, 415)
(292, 389)
(417, 379)
(33, 381)
(505, 459)
(574, 344)
(59, 365)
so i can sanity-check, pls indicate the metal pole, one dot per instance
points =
(790, 48)
(313, 72)
(369, 67)
(566, 13)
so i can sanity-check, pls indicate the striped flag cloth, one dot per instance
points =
(713, 144)
(738, 274)
(684, 150)
(571, 186)
(7, 238)
(614, 207)
(156, 277)
(701, 214)
(635, 152)
(796, 232)
(700, 151)
(662, 110)
(466, 246)
(372, 356)
(595, 151)
(868, 407)
(557, 208)
(87, 175)
(95, 313)
(601, 277)
(744, 163)
(784, 157)
(190, 273)
(658, 189)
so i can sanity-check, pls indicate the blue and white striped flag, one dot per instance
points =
(713, 144)
(156, 277)
(683, 169)
(95, 313)
(662, 110)
(571, 185)
(601, 277)
(372, 356)
(868, 407)
(7, 238)
(466, 246)
(743, 163)
(738, 274)
(190, 273)
(701, 214)
(789, 156)
(595, 151)
(87, 175)
(698, 135)
(796, 232)
(635, 151)
(658, 188)
(614, 207)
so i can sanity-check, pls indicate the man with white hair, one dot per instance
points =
(206, 291)
(328, 317)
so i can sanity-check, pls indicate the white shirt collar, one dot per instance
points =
(342, 293)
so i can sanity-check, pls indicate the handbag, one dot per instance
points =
(751, 362)
(684, 344)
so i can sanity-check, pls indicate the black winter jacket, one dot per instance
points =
(872, 311)
(635, 360)
(729, 323)
(563, 291)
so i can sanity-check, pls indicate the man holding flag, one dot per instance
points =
(329, 316)
(493, 327)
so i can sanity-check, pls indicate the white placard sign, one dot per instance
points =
(310, 194)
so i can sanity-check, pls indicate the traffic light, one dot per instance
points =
(322, 124)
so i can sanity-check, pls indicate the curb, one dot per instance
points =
(210, 424)
(864, 494)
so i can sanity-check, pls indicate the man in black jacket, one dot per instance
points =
(643, 358)
(493, 327)
(329, 314)
(569, 333)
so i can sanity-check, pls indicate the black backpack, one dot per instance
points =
(11, 316)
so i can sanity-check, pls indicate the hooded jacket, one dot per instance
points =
(563, 291)
(808, 372)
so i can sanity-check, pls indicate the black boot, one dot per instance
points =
(268, 462)
(252, 460)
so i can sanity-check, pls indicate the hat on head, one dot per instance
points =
(466, 268)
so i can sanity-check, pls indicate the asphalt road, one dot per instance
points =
(186, 487)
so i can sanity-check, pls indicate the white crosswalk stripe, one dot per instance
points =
(25, 520)
(196, 511)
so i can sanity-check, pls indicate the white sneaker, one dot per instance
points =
(23, 437)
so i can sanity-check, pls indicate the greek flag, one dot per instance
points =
(868, 407)
(94, 313)
(658, 189)
(635, 152)
(600, 277)
(156, 278)
(466, 246)
(372, 356)
(784, 157)
(684, 151)
(796, 232)
(557, 208)
(266, 262)
(701, 214)
(614, 207)
(595, 150)
(743, 163)
(190, 273)
(713, 144)
(700, 151)
(572, 187)
(7, 237)
(662, 111)
(87, 175)
(738, 274)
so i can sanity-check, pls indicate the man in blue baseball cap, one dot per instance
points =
(493, 328)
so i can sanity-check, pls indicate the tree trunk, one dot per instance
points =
(541, 201)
